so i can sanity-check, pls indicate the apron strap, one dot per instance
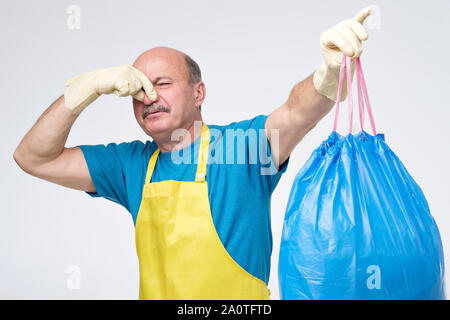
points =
(200, 175)
(151, 166)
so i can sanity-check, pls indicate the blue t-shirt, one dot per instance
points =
(240, 175)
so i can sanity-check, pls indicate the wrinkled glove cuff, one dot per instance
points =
(79, 92)
(326, 82)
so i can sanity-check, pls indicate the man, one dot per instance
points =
(202, 227)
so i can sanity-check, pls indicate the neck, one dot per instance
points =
(184, 137)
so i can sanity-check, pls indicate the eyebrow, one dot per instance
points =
(163, 77)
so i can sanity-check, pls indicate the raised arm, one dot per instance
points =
(42, 152)
(311, 99)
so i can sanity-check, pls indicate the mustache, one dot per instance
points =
(154, 108)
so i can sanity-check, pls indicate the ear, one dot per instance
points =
(199, 93)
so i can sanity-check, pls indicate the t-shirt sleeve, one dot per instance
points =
(262, 169)
(107, 167)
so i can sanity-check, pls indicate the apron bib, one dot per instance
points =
(180, 253)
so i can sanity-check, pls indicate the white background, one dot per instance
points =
(251, 54)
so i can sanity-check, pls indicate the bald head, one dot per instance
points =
(178, 60)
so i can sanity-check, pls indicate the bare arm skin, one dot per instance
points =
(42, 152)
(302, 111)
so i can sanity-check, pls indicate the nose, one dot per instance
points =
(147, 100)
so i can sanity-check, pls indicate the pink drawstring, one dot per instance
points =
(362, 93)
(360, 101)
(348, 63)
(366, 94)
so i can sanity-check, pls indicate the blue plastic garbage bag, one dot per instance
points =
(357, 226)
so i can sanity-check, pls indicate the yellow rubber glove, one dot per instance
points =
(346, 38)
(123, 81)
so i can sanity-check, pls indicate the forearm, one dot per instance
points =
(45, 141)
(307, 106)
(304, 108)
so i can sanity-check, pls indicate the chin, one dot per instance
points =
(155, 127)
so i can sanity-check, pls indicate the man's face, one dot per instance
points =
(175, 104)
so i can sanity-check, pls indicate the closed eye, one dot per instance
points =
(161, 84)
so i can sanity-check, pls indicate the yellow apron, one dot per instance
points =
(180, 253)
